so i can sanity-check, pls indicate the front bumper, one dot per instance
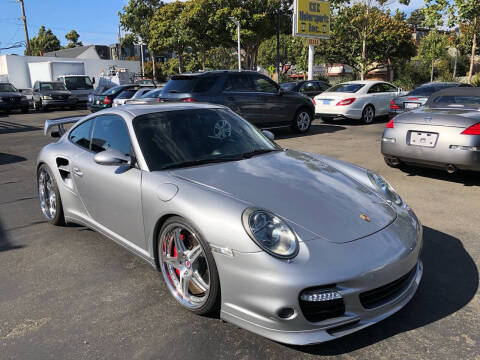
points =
(439, 156)
(256, 286)
(59, 103)
(24, 104)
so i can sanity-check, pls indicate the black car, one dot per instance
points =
(253, 96)
(311, 88)
(52, 94)
(12, 99)
(105, 99)
(419, 96)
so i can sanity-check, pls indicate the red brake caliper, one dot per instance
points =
(175, 254)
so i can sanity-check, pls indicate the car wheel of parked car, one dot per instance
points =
(302, 121)
(49, 196)
(368, 114)
(188, 266)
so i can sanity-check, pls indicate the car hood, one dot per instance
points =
(302, 189)
(9, 94)
(55, 92)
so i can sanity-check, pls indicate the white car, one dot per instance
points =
(129, 94)
(358, 100)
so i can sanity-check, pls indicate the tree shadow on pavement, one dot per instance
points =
(468, 178)
(10, 159)
(450, 281)
(315, 129)
(7, 127)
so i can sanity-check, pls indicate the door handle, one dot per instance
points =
(77, 171)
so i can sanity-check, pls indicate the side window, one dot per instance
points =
(110, 132)
(240, 83)
(389, 88)
(205, 83)
(263, 84)
(81, 134)
(309, 87)
(377, 88)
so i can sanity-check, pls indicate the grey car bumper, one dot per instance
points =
(244, 278)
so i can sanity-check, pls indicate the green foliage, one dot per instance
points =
(221, 58)
(476, 80)
(44, 42)
(293, 50)
(136, 16)
(416, 18)
(411, 74)
(72, 38)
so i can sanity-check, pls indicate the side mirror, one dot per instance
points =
(55, 134)
(268, 134)
(93, 80)
(112, 157)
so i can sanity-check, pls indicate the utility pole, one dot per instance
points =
(238, 42)
(278, 46)
(24, 18)
(119, 48)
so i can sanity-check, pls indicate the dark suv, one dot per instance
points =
(11, 98)
(253, 96)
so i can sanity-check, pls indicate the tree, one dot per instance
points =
(293, 50)
(168, 32)
(387, 38)
(416, 19)
(44, 42)
(136, 17)
(432, 48)
(72, 38)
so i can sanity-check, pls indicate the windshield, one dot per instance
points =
(152, 94)
(461, 101)
(114, 90)
(288, 86)
(426, 90)
(191, 137)
(180, 84)
(126, 94)
(7, 88)
(346, 88)
(53, 86)
(78, 83)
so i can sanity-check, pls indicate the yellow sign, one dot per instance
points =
(311, 19)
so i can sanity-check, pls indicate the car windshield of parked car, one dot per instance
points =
(288, 86)
(78, 83)
(427, 90)
(346, 88)
(152, 94)
(53, 86)
(7, 88)
(126, 94)
(190, 84)
(113, 90)
(460, 101)
(176, 139)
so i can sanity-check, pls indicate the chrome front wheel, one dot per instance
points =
(368, 114)
(188, 267)
(302, 122)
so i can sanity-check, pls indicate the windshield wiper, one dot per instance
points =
(201, 162)
(250, 154)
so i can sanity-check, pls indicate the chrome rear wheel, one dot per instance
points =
(49, 197)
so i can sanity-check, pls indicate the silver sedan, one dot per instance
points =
(296, 247)
(445, 133)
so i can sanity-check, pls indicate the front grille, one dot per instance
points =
(11, 99)
(381, 295)
(315, 311)
(59, 97)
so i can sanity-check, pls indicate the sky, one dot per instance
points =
(95, 21)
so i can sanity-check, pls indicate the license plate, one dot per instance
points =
(326, 102)
(426, 139)
(411, 105)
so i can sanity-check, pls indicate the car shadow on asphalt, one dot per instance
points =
(450, 281)
(10, 159)
(5, 243)
(315, 129)
(468, 178)
(7, 127)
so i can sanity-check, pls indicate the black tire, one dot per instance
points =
(368, 114)
(73, 107)
(212, 303)
(59, 218)
(302, 121)
(24, 110)
(392, 163)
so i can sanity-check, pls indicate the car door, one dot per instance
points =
(277, 108)
(111, 194)
(240, 96)
(389, 92)
(374, 96)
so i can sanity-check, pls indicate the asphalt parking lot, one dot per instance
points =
(70, 293)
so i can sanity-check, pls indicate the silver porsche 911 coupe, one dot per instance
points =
(296, 247)
(445, 133)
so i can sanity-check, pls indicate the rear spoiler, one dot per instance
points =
(59, 122)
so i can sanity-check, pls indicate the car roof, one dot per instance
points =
(211, 72)
(137, 110)
(364, 82)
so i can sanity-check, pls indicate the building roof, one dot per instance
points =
(69, 53)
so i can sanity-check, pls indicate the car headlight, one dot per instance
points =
(385, 188)
(47, 97)
(270, 232)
